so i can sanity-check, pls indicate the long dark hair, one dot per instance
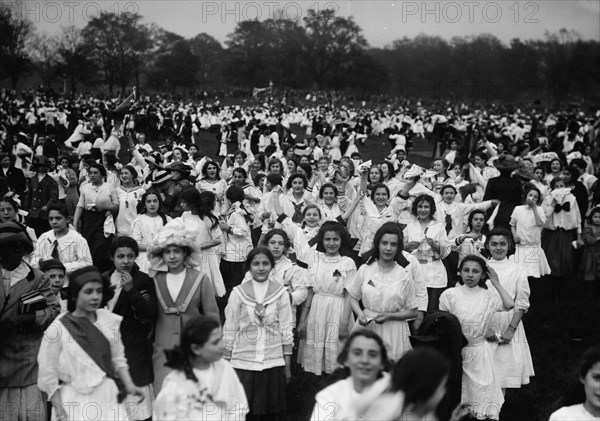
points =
(576, 394)
(480, 262)
(195, 332)
(277, 231)
(335, 227)
(388, 228)
(418, 374)
(207, 205)
(141, 206)
(424, 198)
(235, 193)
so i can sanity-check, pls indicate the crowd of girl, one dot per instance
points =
(222, 276)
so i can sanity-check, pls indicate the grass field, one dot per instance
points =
(549, 327)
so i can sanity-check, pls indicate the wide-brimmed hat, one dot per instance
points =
(174, 233)
(506, 163)
(40, 161)
(161, 176)
(525, 170)
(12, 234)
(179, 166)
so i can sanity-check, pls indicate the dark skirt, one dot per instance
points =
(233, 273)
(559, 250)
(92, 229)
(265, 390)
(433, 296)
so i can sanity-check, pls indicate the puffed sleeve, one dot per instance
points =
(350, 269)
(48, 355)
(232, 320)
(117, 349)
(297, 277)
(170, 404)
(447, 301)
(416, 272)
(354, 287)
(523, 292)
(514, 217)
(286, 324)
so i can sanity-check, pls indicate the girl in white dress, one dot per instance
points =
(202, 385)
(326, 315)
(211, 181)
(81, 358)
(129, 194)
(474, 305)
(512, 356)
(364, 358)
(198, 217)
(387, 292)
(149, 221)
(473, 241)
(527, 222)
(426, 239)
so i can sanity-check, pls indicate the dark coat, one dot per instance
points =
(16, 179)
(40, 194)
(136, 327)
(510, 194)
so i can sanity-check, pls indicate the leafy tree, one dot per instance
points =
(209, 54)
(332, 44)
(120, 46)
(176, 66)
(74, 58)
(43, 53)
(14, 35)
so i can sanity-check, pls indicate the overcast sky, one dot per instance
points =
(382, 21)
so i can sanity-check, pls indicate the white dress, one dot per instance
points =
(513, 360)
(529, 251)
(340, 400)
(128, 201)
(328, 277)
(474, 308)
(143, 230)
(431, 261)
(64, 367)
(218, 188)
(385, 293)
(217, 395)
(210, 257)
(572, 413)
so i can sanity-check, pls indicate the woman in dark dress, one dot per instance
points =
(505, 189)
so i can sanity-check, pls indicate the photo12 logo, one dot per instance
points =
(69, 12)
(241, 11)
(469, 11)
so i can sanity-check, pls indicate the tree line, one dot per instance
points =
(323, 51)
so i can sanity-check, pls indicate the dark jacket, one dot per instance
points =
(16, 179)
(40, 194)
(136, 327)
(510, 194)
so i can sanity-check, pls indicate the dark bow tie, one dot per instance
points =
(564, 207)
